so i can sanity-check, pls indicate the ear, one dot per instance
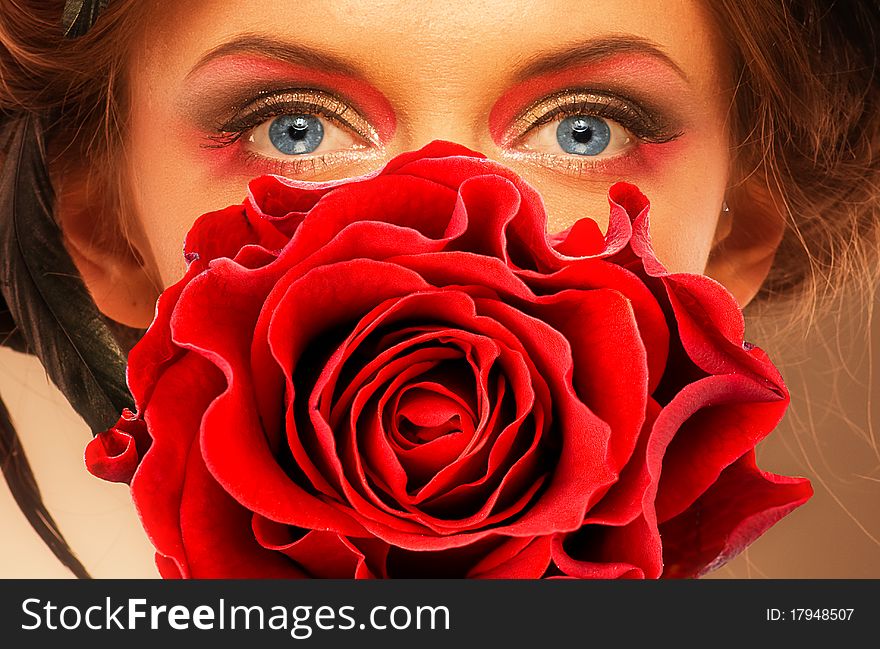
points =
(746, 240)
(108, 252)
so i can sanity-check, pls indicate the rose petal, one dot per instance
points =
(209, 515)
(631, 551)
(407, 208)
(715, 423)
(613, 383)
(493, 557)
(452, 160)
(739, 507)
(402, 374)
(321, 555)
(583, 239)
(518, 558)
(114, 454)
(224, 233)
(244, 462)
(596, 274)
(158, 485)
(634, 492)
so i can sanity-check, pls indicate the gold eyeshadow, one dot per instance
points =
(276, 103)
(646, 124)
(240, 115)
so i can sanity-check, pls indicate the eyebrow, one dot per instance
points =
(579, 54)
(594, 50)
(278, 49)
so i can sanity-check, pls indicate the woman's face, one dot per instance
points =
(573, 96)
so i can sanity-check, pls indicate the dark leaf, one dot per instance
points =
(10, 335)
(56, 316)
(24, 489)
(80, 15)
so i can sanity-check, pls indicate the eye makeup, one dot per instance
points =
(641, 94)
(267, 105)
(644, 128)
(235, 132)
(231, 96)
(235, 95)
(644, 124)
(225, 86)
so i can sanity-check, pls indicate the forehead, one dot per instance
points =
(422, 46)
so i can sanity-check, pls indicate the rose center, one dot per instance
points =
(424, 414)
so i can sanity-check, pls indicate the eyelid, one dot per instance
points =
(647, 125)
(297, 100)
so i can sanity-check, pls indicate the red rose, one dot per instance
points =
(114, 454)
(401, 375)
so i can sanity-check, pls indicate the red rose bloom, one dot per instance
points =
(402, 375)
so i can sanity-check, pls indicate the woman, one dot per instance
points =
(753, 127)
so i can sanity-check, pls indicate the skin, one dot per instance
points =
(416, 72)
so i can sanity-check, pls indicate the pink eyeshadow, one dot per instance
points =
(247, 68)
(644, 74)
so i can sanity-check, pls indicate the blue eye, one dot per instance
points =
(583, 135)
(296, 134)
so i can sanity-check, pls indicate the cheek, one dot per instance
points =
(681, 234)
(684, 181)
(683, 238)
(171, 189)
(684, 214)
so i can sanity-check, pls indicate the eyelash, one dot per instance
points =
(646, 126)
(276, 103)
(643, 124)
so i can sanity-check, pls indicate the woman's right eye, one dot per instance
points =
(298, 132)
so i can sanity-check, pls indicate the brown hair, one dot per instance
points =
(806, 118)
(806, 122)
(79, 82)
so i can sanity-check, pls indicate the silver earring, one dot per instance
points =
(724, 206)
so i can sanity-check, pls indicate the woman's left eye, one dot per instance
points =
(581, 135)
(580, 128)
(298, 134)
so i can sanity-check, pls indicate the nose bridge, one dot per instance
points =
(443, 119)
(446, 96)
(441, 65)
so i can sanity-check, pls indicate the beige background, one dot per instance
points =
(825, 436)
(831, 434)
(96, 517)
